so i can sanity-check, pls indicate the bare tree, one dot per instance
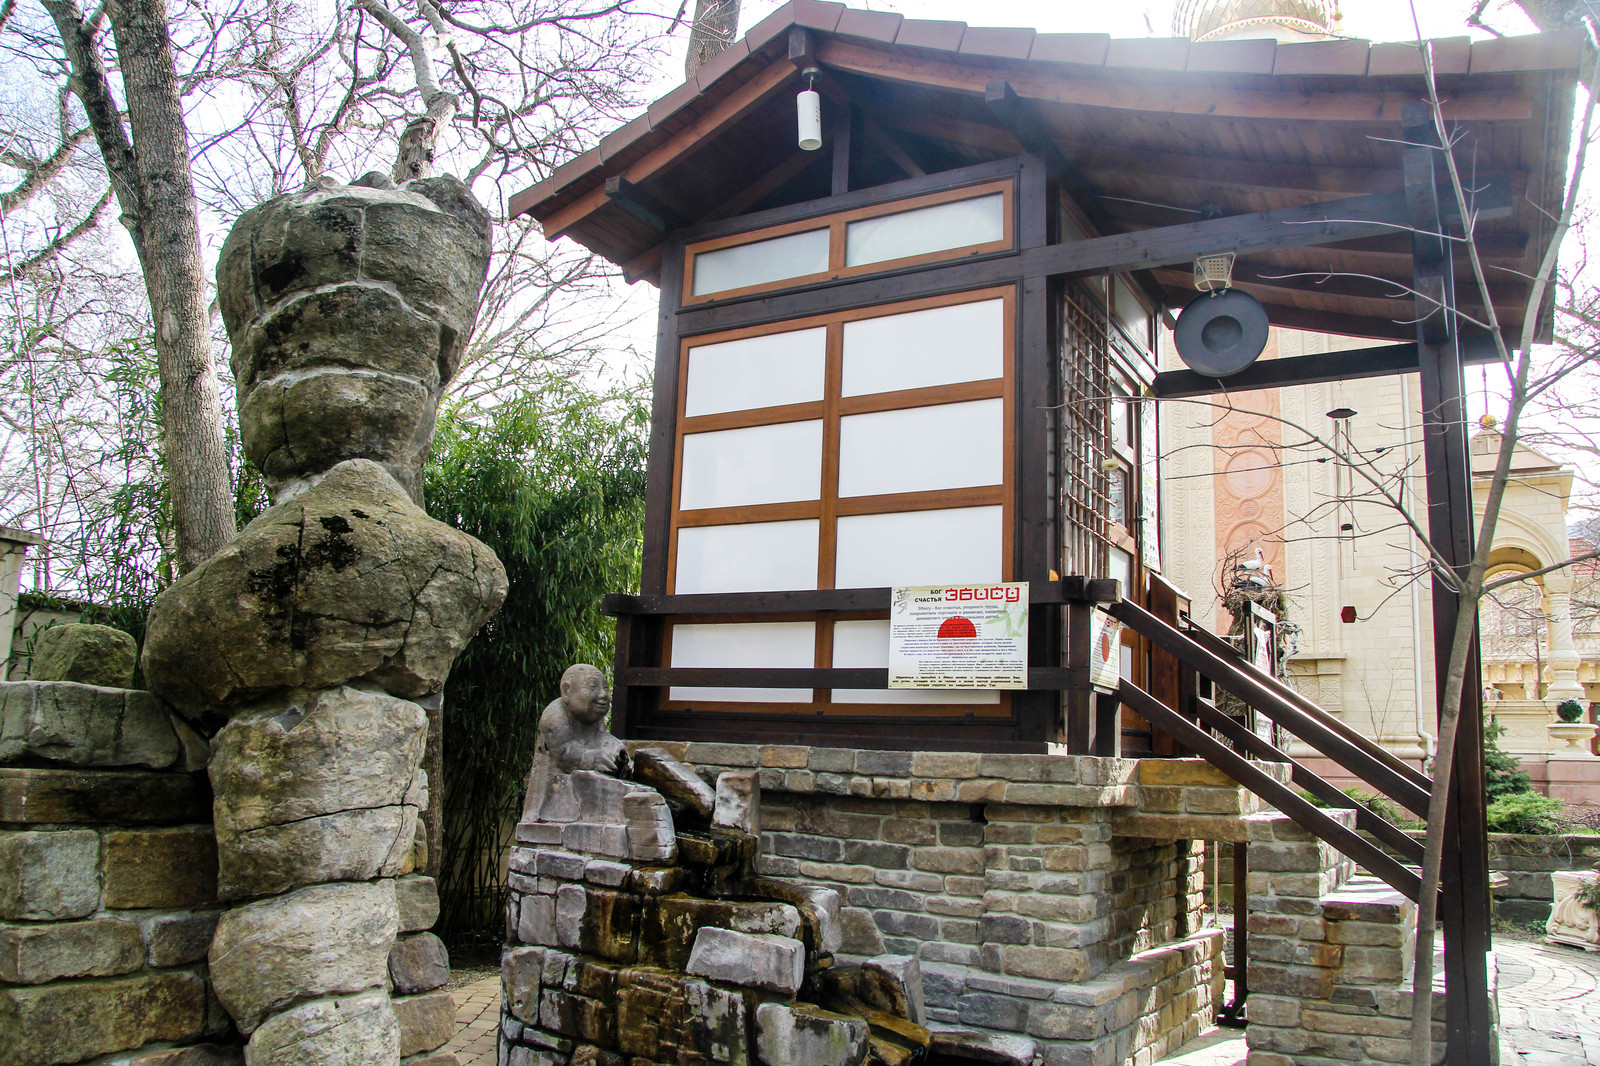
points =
(716, 24)
(146, 155)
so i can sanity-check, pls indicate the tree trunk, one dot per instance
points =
(716, 23)
(155, 191)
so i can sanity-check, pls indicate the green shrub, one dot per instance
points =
(1382, 806)
(1527, 812)
(1502, 772)
(1569, 711)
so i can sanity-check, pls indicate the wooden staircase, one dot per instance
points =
(1233, 746)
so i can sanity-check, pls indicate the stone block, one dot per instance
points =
(418, 963)
(998, 1049)
(50, 875)
(737, 803)
(358, 1030)
(701, 753)
(520, 969)
(954, 765)
(1305, 982)
(68, 1021)
(949, 860)
(682, 788)
(893, 984)
(804, 1035)
(1182, 772)
(669, 931)
(86, 654)
(100, 947)
(859, 933)
(178, 939)
(992, 1011)
(320, 941)
(322, 786)
(426, 1022)
(1049, 964)
(785, 756)
(85, 724)
(774, 963)
(168, 868)
(102, 797)
(418, 900)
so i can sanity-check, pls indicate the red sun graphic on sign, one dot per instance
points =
(956, 635)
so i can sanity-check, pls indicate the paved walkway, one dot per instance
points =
(477, 1022)
(1549, 1014)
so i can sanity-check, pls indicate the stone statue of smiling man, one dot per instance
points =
(572, 736)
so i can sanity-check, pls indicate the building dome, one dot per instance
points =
(1284, 20)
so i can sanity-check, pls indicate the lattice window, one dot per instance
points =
(1084, 492)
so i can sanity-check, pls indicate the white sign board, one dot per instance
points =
(959, 636)
(1105, 651)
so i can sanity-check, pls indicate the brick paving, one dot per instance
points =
(1549, 1013)
(477, 1019)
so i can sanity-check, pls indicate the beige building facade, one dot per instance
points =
(1320, 480)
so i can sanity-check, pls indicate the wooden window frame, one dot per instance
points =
(837, 223)
(830, 507)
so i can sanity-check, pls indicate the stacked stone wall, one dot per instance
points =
(1330, 956)
(107, 883)
(1055, 896)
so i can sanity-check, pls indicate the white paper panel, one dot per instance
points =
(940, 346)
(757, 464)
(866, 644)
(919, 449)
(777, 644)
(758, 557)
(956, 546)
(759, 262)
(755, 372)
(926, 229)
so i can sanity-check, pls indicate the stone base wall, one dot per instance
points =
(1527, 861)
(1059, 897)
(107, 907)
(1330, 956)
(108, 892)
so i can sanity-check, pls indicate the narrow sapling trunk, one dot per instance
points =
(155, 192)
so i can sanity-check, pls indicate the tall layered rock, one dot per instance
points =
(312, 643)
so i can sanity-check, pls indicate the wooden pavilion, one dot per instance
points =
(906, 359)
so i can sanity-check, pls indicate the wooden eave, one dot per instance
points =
(1148, 133)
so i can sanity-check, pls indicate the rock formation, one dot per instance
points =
(637, 931)
(315, 639)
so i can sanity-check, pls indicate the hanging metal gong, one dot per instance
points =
(1221, 333)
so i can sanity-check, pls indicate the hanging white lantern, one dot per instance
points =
(809, 106)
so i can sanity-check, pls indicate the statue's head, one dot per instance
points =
(584, 692)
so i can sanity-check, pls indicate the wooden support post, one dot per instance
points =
(844, 123)
(1464, 883)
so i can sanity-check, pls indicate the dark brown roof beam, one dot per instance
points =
(1369, 108)
(642, 206)
(1348, 365)
(885, 142)
(710, 124)
(1109, 164)
(1008, 108)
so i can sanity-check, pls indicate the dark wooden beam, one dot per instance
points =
(643, 206)
(1465, 903)
(1378, 361)
(889, 146)
(1071, 589)
(844, 123)
(770, 182)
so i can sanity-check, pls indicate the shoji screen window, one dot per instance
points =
(860, 449)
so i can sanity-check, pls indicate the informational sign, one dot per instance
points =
(959, 636)
(1105, 651)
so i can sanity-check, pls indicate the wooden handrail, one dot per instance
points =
(1366, 818)
(1313, 728)
(1304, 813)
(1377, 751)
